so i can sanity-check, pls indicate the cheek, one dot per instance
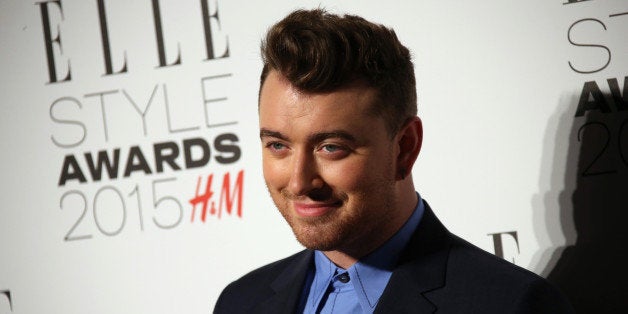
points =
(275, 174)
(348, 176)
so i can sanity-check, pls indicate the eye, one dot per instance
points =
(276, 146)
(334, 151)
(331, 148)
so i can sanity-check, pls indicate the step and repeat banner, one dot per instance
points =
(130, 160)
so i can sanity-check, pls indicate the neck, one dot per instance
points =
(350, 254)
(341, 259)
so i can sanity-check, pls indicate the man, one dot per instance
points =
(338, 125)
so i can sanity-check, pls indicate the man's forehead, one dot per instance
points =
(286, 109)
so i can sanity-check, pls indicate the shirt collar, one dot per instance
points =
(371, 273)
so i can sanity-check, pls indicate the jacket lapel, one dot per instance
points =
(288, 286)
(422, 268)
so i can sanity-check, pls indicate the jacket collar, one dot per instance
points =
(421, 270)
(288, 286)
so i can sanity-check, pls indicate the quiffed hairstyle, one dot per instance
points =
(320, 52)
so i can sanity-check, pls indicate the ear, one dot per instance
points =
(409, 139)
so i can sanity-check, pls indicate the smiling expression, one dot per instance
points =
(329, 164)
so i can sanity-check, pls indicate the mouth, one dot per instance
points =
(315, 209)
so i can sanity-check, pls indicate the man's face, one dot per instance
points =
(329, 165)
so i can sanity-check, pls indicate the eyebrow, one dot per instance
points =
(314, 138)
(319, 137)
(269, 133)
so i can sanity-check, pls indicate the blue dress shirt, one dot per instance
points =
(357, 290)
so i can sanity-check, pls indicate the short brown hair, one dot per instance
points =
(319, 52)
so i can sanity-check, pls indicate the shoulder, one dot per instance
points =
(266, 274)
(489, 282)
(255, 286)
(464, 256)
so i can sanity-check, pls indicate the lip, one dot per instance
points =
(315, 209)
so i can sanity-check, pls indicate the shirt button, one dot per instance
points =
(344, 278)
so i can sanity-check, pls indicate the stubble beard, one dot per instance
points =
(348, 228)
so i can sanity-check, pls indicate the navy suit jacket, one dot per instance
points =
(437, 273)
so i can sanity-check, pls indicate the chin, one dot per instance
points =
(319, 235)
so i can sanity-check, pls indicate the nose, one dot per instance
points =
(304, 176)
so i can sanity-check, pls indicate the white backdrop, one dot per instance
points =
(499, 85)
